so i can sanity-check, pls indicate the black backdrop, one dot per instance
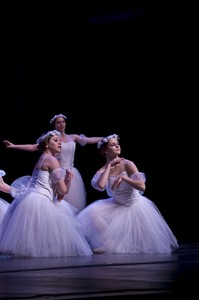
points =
(111, 69)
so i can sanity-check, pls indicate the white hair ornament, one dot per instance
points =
(48, 134)
(57, 116)
(106, 139)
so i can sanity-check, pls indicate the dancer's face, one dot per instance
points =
(60, 124)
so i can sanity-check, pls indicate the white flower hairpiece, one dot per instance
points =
(2, 173)
(57, 116)
(106, 139)
(47, 134)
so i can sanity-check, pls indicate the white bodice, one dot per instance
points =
(42, 183)
(67, 154)
(125, 194)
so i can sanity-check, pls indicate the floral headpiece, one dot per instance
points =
(47, 134)
(57, 116)
(106, 139)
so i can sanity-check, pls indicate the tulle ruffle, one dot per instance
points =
(2, 173)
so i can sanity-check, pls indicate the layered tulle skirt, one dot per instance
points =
(34, 226)
(137, 228)
(3, 208)
(77, 192)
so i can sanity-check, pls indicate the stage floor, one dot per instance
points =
(117, 275)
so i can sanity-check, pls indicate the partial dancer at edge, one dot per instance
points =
(4, 188)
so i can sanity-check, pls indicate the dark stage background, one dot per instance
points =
(111, 67)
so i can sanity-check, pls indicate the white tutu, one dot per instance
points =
(76, 195)
(131, 223)
(35, 226)
(3, 208)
